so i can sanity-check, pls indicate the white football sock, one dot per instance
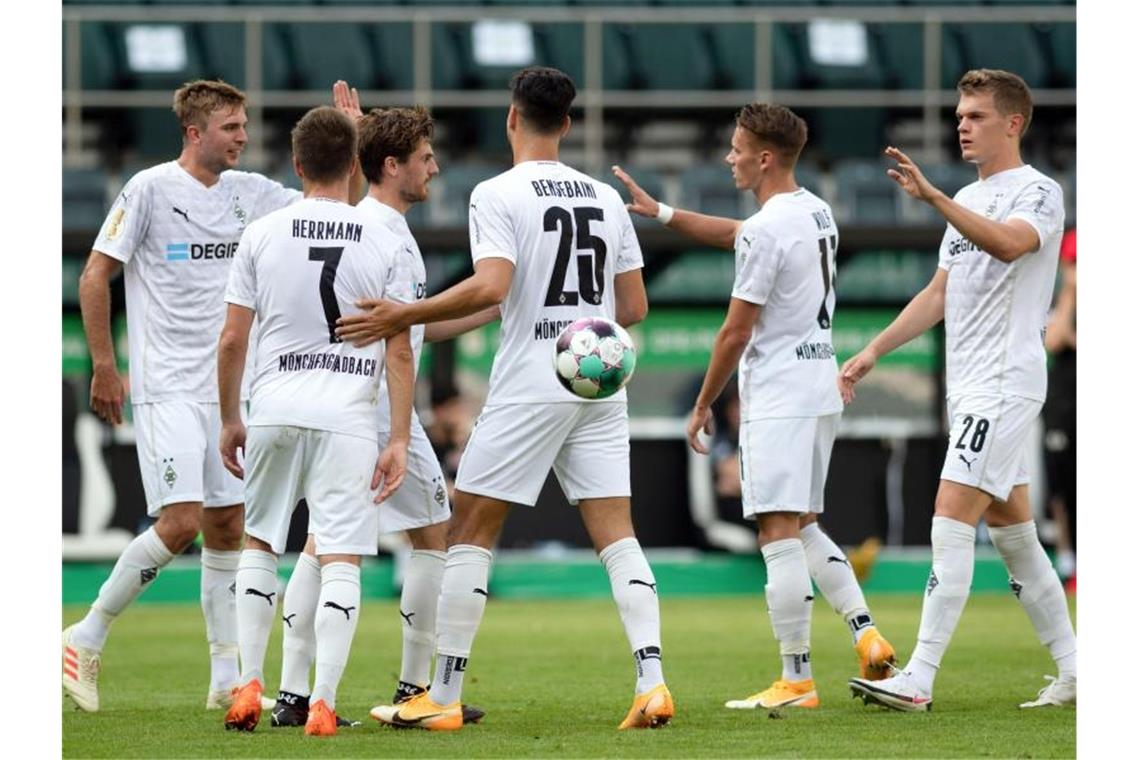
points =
(338, 610)
(635, 593)
(256, 605)
(789, 597)
(418, 601)
(948, 587)
(137, 566)
(1033, 580)
(219, 579)
(299, 610)
(835, 579)
(462, 600)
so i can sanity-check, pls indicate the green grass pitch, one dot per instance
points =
(556, 678)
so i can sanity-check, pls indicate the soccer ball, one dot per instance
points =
(594, 357)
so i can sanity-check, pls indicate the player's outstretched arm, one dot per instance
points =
(233, 346)
(451, 328)
(382, 319)
(1005, 241)
(923, 312)
(399, 371)
(347, 100)
(95, 302)
(711, 230)
(731, 340)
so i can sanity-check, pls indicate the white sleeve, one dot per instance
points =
(490, 228)
(758, 261)
(944, 257)
(400, 278)
(242, 286)
(629, 255)
(127, 223)
(1043, 207)
(271, 195)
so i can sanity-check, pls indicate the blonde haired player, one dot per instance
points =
(778, 332)
(173, 230)
(996, 270)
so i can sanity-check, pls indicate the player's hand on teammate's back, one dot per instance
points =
(347, 99)
(852, 372)
(390, 469)
(908, 176)
(107, 392)
(380, 320)
(233, 438)
(643, 203)
(700, 419)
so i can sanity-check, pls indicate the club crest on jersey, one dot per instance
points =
(115, 226)
(992, 208)
(170, 476)
(239, 212)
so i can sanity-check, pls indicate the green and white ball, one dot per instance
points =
(594, 357)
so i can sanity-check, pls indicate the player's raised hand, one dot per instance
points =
(701, 419)
(643, 203)
(908, 176)
(347, 99)
(853, 371)
(380, 320)
(107, 394)
(233, 438)
(390, 470)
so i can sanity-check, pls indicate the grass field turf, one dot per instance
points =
(556, 678)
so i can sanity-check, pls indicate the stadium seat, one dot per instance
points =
(822, 74)
(84, 199)
(864, 193)
(650, 180)
(1013, 47)
(100, 69)
(325, 52)
(709, 189)
(154, 134)
(391, 46)
(223, 52)
(901, 50)
(562, 45)
(734, 51)
(276, 58)
(453, 190)
(835, 133)
(1061, 44)
(148, 69)
(670, 57)
(700, 275)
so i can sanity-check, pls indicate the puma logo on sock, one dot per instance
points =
(268, 597)
(336, 606)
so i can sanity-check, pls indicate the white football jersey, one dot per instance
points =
(410, 284)
(300, 269)
(176, 238)
(785, 263)
(996, 312)
(567, 235)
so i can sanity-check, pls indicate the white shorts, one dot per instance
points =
(331, 471)
(987, 443)
(422, 498)
(783, 463)
(513, 447)
(179, 456)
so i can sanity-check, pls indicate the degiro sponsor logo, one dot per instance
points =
(199, 251)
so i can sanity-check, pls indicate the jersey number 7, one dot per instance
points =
(591, 269)
(331, 259)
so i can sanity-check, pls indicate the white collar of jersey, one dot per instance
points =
(194, 179)
(1006, 173)
(391, 216)
(322, 198)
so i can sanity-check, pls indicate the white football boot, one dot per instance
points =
(899, 692)
(1056, 693)
(221, 699)
(80, 673)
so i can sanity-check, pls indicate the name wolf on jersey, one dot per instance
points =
(349, 365)
(321, 230)
(563, 188)
(200, 251)
(547, 329)
(807, 351)
(959, 245)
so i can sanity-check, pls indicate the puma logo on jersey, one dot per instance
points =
(746, 240)
(267, 597)
(336, 606)
(287, 619)
(177, 210)
(407, 616)
(841, 560)
(482, 591)
(969, 462)
(652, 586)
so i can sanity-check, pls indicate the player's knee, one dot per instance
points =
(177, 527)
(222, 528)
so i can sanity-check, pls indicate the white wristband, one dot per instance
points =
(664, 213)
